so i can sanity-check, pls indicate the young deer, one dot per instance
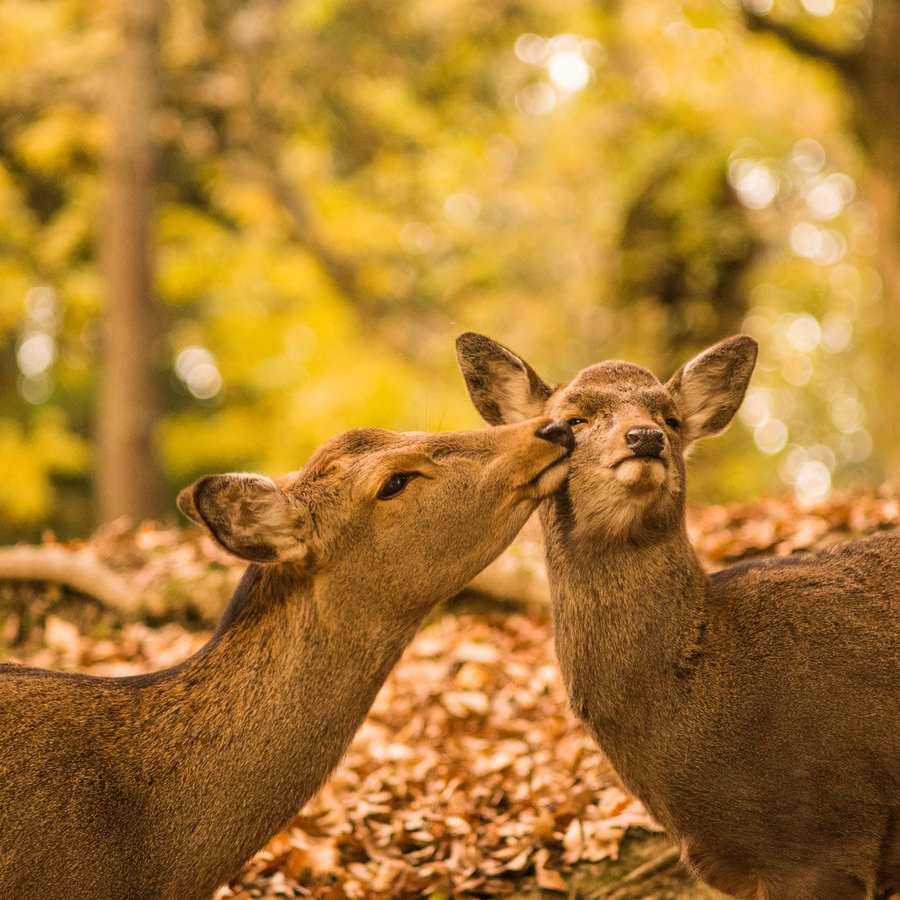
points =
(158, 787)
(756, 711)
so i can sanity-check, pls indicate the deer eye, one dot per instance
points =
(673, 423)
(575, 420)
(395, 484)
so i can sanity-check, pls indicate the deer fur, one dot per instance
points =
(756, 711)
(159, 787)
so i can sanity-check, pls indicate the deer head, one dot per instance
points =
(632, 432)
(375, 513)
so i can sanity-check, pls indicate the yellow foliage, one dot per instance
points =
(48, 143)
(29, 458)
(447, 180)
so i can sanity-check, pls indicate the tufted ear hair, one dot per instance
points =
(503, 387)
(709, 388)
(249, 515)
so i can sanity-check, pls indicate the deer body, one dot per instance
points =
(160, 786)
(755, 712)
(734, 708)
(194, 766)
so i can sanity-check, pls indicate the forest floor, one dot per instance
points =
(470, 777)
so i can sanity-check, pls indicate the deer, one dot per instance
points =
(754, 711)
(160, 786)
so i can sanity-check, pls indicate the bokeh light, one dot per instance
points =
(568, 71)
(197, 368)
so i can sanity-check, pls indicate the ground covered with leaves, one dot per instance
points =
(470, 776)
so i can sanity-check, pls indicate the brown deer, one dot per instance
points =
(158, 787)
(755, 711)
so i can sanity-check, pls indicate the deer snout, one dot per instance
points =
(645, 441)
(557, 432)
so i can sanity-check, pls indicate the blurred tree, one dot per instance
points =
(861, 43)
(129, 481)
(689, 254)
(344, 185)
(862, 47)
(49, 142)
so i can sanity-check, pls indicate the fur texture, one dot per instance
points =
(159, 787)
(755, 712)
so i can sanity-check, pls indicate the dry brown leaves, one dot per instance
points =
(147, 571)
(470, 776)
(724, 534)
(170, 569)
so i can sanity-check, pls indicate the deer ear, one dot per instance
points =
(709, 389)
(503, 387)
(249, 515)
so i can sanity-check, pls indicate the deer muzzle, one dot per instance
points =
(645, 442)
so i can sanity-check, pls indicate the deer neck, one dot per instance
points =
(628, 617)
(259, 718)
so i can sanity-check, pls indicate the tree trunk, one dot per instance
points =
(874, 81)
(128, 477)
(871, 74)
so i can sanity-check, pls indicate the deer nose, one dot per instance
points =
(645, 441)
(557, 432)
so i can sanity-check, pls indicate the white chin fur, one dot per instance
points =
(550, 480)
(641, 474)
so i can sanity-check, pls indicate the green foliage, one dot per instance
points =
(347, 184)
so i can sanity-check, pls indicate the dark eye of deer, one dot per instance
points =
(576, 421)
(674, 424)
(394, 485)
